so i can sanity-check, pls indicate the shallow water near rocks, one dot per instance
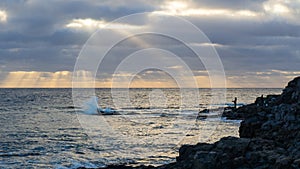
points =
(42, 128)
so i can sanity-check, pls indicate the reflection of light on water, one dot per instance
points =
(157, 137)
(155, 132)
(48, 125)
(157, 99)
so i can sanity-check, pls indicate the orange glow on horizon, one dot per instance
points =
(63, 79)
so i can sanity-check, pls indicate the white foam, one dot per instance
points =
(91, 105)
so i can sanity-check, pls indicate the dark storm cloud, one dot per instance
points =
(39, 59)
(232, 4)
(253, 44)
(231, 31)
(39, 17)
(38, 28)
(35, 36)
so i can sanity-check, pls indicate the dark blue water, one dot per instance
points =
(40, 127)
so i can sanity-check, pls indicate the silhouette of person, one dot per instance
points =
(235, 102)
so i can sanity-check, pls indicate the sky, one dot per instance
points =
(258, 41)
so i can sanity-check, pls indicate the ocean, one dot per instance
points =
(42, 128)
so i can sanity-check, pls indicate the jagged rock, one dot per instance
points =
(291, 93)
(270, 136)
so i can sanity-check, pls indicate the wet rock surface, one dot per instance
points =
(269, 137)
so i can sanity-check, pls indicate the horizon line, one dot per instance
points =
(140, 88)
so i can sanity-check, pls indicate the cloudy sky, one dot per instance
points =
(258, 41)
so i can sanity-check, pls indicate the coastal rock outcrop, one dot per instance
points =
(269, 137)
(279, 121)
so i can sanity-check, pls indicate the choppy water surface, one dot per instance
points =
(42, 128)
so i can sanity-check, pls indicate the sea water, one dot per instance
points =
(41, 128)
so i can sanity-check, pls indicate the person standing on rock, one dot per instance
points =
(235, 102)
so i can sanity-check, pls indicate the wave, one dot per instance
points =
(79, 164)
(19, 154)
(90, 106)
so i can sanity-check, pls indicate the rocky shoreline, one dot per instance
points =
(269, 138)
